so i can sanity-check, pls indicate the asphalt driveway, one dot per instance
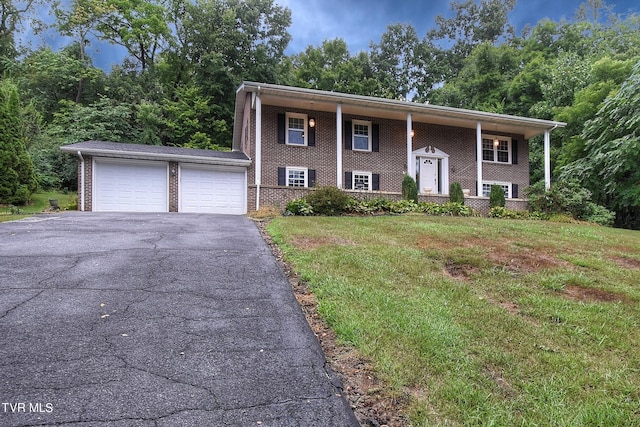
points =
(154, 320)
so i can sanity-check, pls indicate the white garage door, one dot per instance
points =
(130, 186)
(206, 190)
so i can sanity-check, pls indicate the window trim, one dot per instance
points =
(297, 169)
(369, 176)
(495, 149)
(369, 126)
(509, 186)
(305, 130)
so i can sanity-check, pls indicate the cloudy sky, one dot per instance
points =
(359, 22)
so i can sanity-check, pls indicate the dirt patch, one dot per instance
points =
(306, 243)
(372, 404)
(460, 271)
(624, 262)
(579, 293)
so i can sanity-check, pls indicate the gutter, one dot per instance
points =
(160, 156)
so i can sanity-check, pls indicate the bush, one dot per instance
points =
(502, 212)
(409, 189)
(328, 201)
(496, 197)
(568, 198)
(456, 209)
(403, 206)
(455, 193)
(298, 207)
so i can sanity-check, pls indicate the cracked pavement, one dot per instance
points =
(113, 319)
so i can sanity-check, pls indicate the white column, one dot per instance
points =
(479, 157)
(258, 159)
(410, 165)
(339, 146)
(547, 159)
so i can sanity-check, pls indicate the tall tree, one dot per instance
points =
(12, 13)
(17, 179)
(475, 22)
(610, 169)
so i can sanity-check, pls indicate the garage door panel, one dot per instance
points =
(220, 191)
(130, 187)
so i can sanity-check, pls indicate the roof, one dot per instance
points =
(311, 99)
(157, 152)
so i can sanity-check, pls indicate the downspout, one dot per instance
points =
(81, 181)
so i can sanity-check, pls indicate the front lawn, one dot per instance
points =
(482, 321)
(39, 203)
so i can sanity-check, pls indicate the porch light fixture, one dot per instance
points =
(312, 123)
(496, 142)
(413, 133)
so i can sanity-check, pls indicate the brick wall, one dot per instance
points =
(173, 186)
(389, 162)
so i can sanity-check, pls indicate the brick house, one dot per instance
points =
(300, 138)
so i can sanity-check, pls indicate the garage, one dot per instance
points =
(130, 186)
(219, 190)
(116, 177)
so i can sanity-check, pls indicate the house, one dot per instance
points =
(287, 140)
(300, 138)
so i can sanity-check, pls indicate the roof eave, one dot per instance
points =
(157, 156)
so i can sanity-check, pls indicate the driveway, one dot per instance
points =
(154, 320)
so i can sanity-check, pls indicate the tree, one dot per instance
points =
(610, 169)
(17, 180)
(11, 15)
(473, 24)
(140, 26)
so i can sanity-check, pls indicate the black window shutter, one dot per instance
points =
(311, 140)
(348, 177)
(282, 123)
(282, 176)
(514, 151)
(348, 141)
(375, 138)
(375, 182)
(311, 179)
(514, 191)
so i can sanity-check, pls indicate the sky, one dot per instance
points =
(360, 22)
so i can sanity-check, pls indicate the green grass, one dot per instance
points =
(39, 203)
(482, 321)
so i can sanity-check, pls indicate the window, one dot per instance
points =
(361, 135)
(297, 177)
(361, 181)
(506, 187)
(296, 127)
(497, 154)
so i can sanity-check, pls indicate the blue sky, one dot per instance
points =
(359, 22)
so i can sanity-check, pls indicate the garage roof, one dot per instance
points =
(157, 152)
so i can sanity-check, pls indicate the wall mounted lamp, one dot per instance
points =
(413, 133)
(312, 122)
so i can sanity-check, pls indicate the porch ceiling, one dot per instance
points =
(314, 100)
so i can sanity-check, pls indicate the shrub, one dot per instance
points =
(328, 201)
(502, 212)
(568, 198)
(496, 197)
(455, 193)
(409, 189)
(403, 206)
(430, 208)
(298, 207)
(456, 209)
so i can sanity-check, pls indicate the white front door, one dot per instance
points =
(428, 175)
